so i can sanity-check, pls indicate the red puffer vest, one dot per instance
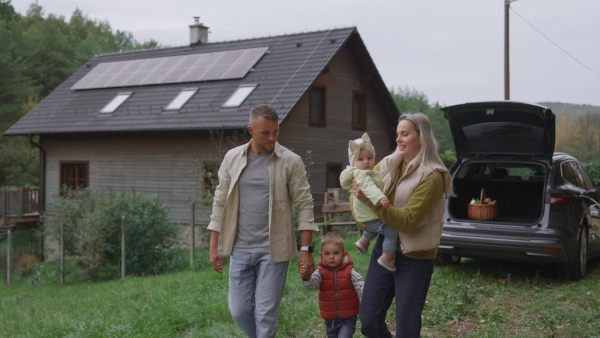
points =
(337, 297)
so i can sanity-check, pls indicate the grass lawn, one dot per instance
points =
(473, 299)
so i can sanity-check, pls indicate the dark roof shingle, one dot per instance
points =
(283, 74)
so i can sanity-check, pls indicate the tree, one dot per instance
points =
(36, 55)
(581, 139)
(412, 101)
(586, 135)
(15, 87)
(204, 171)
(563, 135)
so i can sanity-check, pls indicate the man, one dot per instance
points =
(251, 221)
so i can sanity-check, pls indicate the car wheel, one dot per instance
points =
(577, 270)
(446, 259)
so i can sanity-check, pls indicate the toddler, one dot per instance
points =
(339, 287)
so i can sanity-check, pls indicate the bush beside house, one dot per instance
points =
(93, 224)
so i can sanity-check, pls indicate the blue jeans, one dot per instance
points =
(255, 291)
(390, 242)
(340, 328)
(409, 284)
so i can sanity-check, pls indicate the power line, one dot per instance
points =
(554, 43)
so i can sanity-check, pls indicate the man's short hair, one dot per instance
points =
(264, 110)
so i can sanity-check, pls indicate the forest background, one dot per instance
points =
(38, 52)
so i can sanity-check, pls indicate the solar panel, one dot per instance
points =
(215, 72)
(237, 71)
(117, 79)
(174, 75)
(233, 64)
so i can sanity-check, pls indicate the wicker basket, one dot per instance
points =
(482, 212)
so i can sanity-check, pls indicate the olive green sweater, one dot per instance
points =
(422, 201)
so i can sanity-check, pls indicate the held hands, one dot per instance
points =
(306, 265)
(302, 269)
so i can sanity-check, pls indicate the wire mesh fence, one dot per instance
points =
(28, 259)
(20, 255)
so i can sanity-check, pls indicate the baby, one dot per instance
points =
(361, 154)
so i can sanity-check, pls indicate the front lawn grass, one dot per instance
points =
(473, 299)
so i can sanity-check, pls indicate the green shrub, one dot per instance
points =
(69, 211)
(448, 157)
(93, 223)
(151, 238)
(593, 169)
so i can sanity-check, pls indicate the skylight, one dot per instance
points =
(181, 98)
(116, 102)
(238, 97)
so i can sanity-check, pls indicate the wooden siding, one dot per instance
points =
(330, 144)
(150, 164)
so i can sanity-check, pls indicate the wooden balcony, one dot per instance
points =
(18, 205)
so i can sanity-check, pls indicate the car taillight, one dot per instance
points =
(557, 199)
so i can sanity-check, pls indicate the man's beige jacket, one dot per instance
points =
(289, 188)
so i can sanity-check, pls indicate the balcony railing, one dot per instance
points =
(19, 202)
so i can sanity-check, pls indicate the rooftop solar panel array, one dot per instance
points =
(233, 64)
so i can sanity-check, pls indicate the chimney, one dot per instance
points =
(198, 32)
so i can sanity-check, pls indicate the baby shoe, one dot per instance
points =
(362, 245)
(387, 263)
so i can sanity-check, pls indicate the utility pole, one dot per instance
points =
(506, 50)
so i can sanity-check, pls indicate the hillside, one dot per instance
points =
(575, 110)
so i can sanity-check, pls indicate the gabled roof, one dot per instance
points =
(283, 74)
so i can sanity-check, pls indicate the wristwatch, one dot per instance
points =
(308, 248)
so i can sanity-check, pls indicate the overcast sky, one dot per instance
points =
(452, 51)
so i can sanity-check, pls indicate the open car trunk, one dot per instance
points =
(517, 188)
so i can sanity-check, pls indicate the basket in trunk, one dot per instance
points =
(482, 212)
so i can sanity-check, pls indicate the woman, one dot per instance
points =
(415, 181)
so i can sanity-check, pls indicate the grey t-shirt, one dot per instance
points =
(253, 219)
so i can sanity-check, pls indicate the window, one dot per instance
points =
(567, 173)
(359, 111)
(74, 175)
(237, 98)
(116, 102)
(583, 180)
(333, 175)
(317, 112)
(181, 98)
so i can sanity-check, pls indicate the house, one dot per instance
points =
(135, 120)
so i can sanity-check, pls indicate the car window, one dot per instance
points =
(567, 173)
(577, 175)
(583, 176)
(578, 180)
